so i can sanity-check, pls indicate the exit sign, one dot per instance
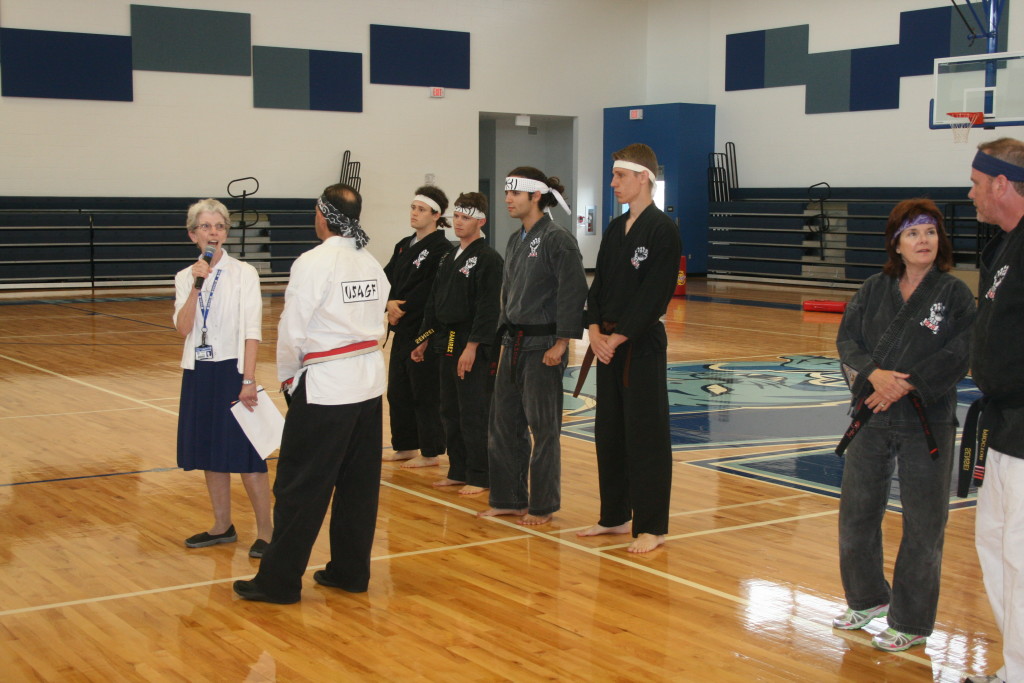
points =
(437, 92)
(636, 114)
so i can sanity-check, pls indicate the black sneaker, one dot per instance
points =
(258, 548)
(205, 539)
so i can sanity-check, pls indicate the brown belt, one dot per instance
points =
(588, 360)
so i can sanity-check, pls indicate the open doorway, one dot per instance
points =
(548, 143)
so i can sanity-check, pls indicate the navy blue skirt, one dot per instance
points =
(209, 437)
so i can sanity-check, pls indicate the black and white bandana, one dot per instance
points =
(342, 224)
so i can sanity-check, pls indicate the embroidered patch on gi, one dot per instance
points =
(937, 315)
(420, 258)
(359, 290)
(996, 281)
(468, 266)
(534, 246)
(639, 255)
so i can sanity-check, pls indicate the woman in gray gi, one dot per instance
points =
(903, 343)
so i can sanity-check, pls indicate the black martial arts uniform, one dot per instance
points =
(635, 279)
(413, 394)
(463, 307)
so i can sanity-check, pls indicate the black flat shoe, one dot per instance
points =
(258, 548)
(250, 591)
(205, 539)
(321, 577)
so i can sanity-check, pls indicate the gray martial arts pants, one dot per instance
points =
(527, 400)
(924, 494)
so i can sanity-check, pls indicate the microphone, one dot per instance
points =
(208, 256)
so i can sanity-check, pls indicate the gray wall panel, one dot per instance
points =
(190, 41)
(280, 78)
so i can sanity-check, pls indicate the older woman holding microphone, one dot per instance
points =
(903, 343)
(219, 310)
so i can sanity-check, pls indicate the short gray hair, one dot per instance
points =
(209, 205)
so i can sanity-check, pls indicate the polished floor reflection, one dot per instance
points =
(97, 585)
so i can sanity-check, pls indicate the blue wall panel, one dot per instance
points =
(861, 79)
(401, 55)
(744, 61)
(80, 66)
(335, 81)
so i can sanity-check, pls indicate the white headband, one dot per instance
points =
(428, 201)
(470, 212)
(520, 184)
(630, 166)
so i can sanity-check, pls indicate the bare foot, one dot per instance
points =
(499, 512)
(446, 482)
(469, 490)
(598, 530)
(420, 461)
(645, 543)
(399, 455)
(534, 520)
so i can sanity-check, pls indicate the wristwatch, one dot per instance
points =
(248, 381)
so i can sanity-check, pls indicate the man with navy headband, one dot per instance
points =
(543, 292)
(993, 449)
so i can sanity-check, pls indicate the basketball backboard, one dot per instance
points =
(960, 86)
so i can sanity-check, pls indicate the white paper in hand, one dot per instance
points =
(264, 425)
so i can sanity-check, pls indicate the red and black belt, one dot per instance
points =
(863, 414)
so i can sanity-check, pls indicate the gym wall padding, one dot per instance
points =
(64, 65)
(401, 55)
(190, 41)
(861, 79)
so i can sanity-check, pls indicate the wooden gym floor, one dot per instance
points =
(96, 585)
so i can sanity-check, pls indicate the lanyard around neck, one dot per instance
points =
(205, 309)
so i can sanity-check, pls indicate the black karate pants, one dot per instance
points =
(634, 448)
(324, 450)
(414, 399)
(465, 405)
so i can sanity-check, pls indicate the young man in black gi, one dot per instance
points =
(460, 325)
(637, 270)
(543, 292)
(413, 394)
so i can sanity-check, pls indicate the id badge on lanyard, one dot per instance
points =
(204, 351)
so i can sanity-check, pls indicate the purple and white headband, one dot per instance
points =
(919, 219)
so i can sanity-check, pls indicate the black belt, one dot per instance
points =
(863, 414)
(518, 332)
(981, 416)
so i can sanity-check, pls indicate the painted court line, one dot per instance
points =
(75, 412)
(87, 384)
(737, 527)
(799, 622)
(248, 575)
(718, 508)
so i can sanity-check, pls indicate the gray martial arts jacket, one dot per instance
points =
(543, 283)
(931, 343)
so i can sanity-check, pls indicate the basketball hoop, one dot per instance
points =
(962, 122)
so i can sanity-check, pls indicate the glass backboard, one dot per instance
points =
(989, 83)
